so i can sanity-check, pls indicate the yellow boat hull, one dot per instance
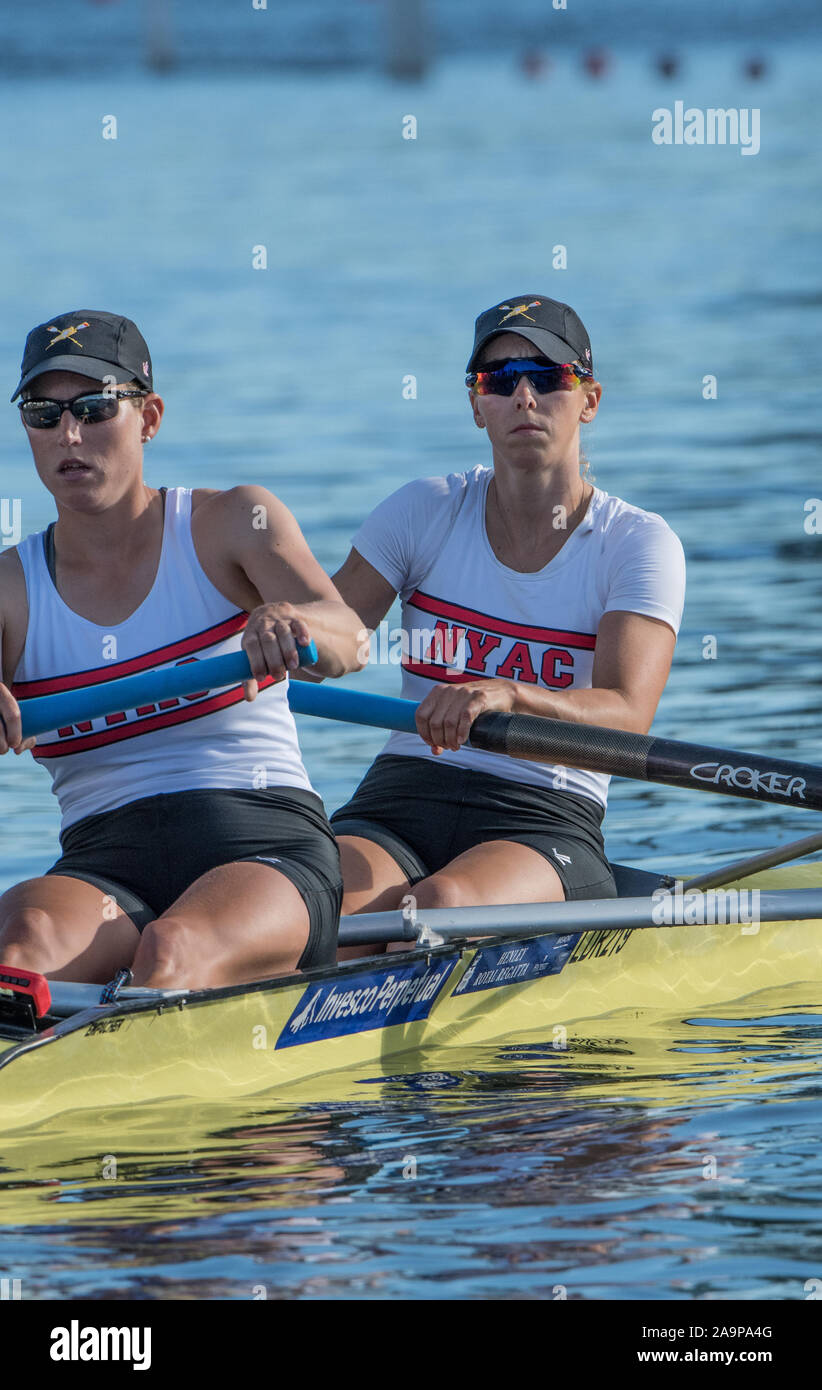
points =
(220, 1045)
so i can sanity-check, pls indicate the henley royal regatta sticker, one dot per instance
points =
(493, 966)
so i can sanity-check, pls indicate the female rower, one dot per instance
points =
(195, 851)
(524, 589)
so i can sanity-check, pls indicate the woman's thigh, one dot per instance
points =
(372, 881)
(498, 871)
(238, 922)
(65, 928)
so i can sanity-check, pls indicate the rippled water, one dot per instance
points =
(681, 1164)
(533, 1170)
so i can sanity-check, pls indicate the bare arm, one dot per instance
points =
(298, 600)
(364, 589)
(10, 725)
(632, 662)
(631, 665)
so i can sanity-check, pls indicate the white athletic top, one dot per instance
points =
(208, 740)
(466, 615)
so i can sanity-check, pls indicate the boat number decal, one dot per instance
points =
(601, 943)
(512, 965)
(374, 999)
(105, 1025)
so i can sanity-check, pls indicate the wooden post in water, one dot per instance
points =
(407, 40)
(160, 51)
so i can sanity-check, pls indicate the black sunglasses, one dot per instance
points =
(88, 409)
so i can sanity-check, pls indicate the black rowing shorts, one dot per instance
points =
(146, 853)
(425, 814)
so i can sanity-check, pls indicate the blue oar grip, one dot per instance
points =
(353, 706)
(45, 712)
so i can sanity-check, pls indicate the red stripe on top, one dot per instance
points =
(439, 608)
(439, 673)
(98, 675)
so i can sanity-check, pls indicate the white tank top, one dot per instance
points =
(206, 740)
(467, 615)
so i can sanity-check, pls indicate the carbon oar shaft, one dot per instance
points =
(614, 752)
(646, 759)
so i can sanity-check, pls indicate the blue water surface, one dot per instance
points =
(685, 262)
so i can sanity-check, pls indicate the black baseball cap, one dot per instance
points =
(552, 327)
(91, 342)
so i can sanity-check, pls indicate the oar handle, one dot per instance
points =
(43, 713)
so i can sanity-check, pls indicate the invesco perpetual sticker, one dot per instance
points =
(750, 779)
(373, 999)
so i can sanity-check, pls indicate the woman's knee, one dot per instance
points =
(444, 889)
(168, 949)
(23, 924)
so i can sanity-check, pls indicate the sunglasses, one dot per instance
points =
(502, 378)
(89, 410)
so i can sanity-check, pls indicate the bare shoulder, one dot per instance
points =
(201, 495)
(14, 609)
(247, 512)
(239, 534)
(241, 501)
(12, 581)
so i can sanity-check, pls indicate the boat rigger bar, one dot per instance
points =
(732, 907)
(737, 909)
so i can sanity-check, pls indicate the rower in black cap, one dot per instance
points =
(194, 849)
(524, 588)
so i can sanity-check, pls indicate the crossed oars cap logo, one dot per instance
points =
(515, 309)
(70, 331)
(554, 328)
(91, 342)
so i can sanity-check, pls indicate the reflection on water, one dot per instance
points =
(653, 1159)
(658, 1159)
